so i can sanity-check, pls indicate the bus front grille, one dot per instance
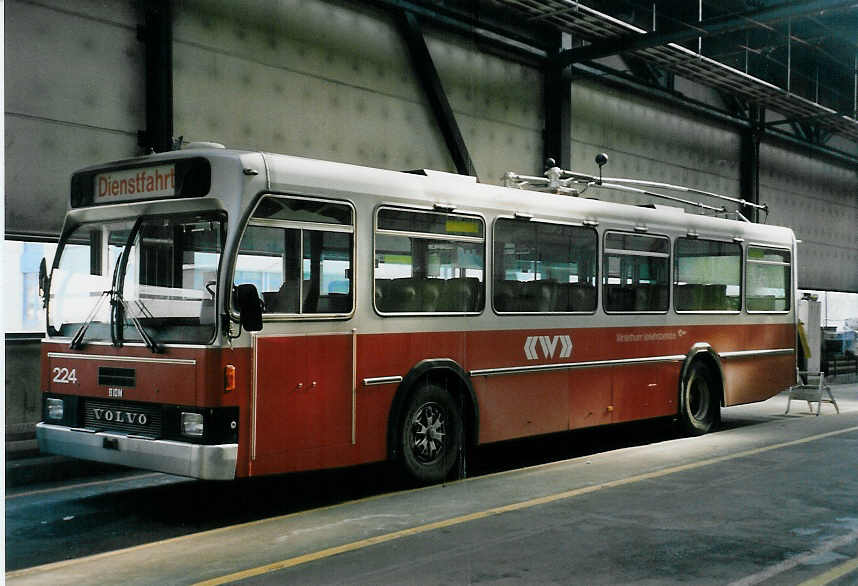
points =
(131, 418)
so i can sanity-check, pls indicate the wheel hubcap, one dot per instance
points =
(428, 432)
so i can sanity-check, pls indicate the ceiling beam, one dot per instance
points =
(808, 119)
(157, 35)
(706, 28)
(421, 59)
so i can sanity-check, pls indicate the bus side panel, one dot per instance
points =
(643, 392)
(301, 429)
(520, 405)
(770, 335)
(589, 397)
(756, 379)
(393, 354)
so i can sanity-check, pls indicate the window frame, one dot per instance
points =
(741, 279)
(300, 225)
(790, 265)
(530, 220)
(428, 236)
(668, 256)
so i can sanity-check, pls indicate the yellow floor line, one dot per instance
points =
(363, 543)
(833, 574)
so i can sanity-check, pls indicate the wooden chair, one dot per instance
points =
(814, 390)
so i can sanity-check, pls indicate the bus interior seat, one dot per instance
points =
(539, 295)
(642, 297)
(459, 295)
(619, 298)
(507, 294)
(659, 297)
(396, 295)
(285, 300)
(714, 297)
(582, 297)
(685, 297)
(429, 291)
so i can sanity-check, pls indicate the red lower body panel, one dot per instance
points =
(307, 415)
(303, 404)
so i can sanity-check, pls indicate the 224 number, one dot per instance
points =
(65, 376)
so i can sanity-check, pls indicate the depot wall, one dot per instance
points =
(819, 200)
(332, 80)
(647, 140)
(74, 94)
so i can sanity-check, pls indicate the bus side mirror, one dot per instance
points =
(43, 278)
(249, 307)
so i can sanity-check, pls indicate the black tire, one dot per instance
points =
(430, 434)
(699, 401)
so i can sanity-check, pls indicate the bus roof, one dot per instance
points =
(449, 191)
(195, 171)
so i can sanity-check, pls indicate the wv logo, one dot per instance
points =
(548, 344)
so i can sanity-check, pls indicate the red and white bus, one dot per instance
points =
(220, 314)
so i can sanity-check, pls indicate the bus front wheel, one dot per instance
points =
(431, 434)
(700, 402)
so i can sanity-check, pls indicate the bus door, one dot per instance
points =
(299, 253)
(303, 398)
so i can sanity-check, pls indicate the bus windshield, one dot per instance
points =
(148, 279)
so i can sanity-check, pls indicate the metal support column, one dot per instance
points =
(421, 59)
(557, 99)
(157, 34)
(749, 162)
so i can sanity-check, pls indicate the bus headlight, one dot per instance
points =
(192, 424)
(54, 408)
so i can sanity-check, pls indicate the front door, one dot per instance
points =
(303, 401)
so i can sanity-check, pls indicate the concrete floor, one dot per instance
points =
(772, 499)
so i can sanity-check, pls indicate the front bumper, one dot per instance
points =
(184, 459)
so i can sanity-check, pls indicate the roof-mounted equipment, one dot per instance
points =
(574, 183)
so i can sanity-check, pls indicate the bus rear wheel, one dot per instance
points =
(430, 435)
(700, 401)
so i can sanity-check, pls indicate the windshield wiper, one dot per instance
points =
(117, 301)
(77, 340)
(148, 339)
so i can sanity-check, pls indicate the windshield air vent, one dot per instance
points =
(116, 377)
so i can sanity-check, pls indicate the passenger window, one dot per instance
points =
(769, 279)
(636, 272)
(299, 254)
(541, 267)
(428, 262)
(708, 275)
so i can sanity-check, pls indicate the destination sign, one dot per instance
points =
(135, 184)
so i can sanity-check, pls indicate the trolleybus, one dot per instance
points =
(218, 314)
